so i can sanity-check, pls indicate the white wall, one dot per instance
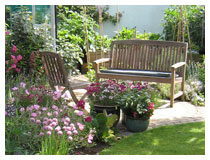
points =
(144, 17)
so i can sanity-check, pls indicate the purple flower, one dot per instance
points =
(75, 106)
(55, 107)
(48, 133)
(70, 138)
(32, 120)
(60, 133)
(36, 107)
(67, 119)
(75, 132)
(22, 84)
(38, 121)
(55, 113)
(15, 88)
(22, 109)
(26, 91)
(33, 114)
(44, 108)
(69, 133)
(58, 128)
(41, 134)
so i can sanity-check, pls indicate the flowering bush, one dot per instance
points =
(136, 101)
(105, 93)
(46, 121)
(193, 91)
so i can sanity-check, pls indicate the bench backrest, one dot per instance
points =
(147, 54)
(54, 68)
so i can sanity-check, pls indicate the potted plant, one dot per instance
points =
(103, 97)
(136, 103)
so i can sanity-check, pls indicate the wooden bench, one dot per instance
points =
(146, 60)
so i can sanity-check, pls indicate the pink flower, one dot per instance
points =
(36, 107)
(70, 138)
(81, 126)
(14, 49)
(15, 88)
(80, 113)
(151, 106)
(55, 107)
(60, 133)
(134, 114)
(75, 132)
(13, 66)
(32, 120)
(55, 120)
(44, 108)
(26, 91)
(58, 128)
(49, 114)
(45, 123)
(88, 119)
(22, 109)
(33, 114)
(55, 113)
(45, 119)
(38, 121)
(17, 69)
(19, 57)
(67, 119)
(22, 84)
(6, 62)
(49, 121)
(41, 134)
(13, 99)
(75, 106)
(45, 127)
(49, 128)
(5, 113)
(90, 138)
(69, 133)
(53, 124)
(7, 32)
(66, 123)
(48, 133)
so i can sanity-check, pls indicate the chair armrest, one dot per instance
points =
(177, 65)
(102, 60)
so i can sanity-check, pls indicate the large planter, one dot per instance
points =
(136, 125)
(109, 110)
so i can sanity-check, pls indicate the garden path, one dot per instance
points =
(182, 112)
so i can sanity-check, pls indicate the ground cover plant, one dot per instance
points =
(182, 139)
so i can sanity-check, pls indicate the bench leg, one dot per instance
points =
(172, 88)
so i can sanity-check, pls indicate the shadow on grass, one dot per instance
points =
(184, 139)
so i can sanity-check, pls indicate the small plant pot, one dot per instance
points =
(136, 125)
(109, 110)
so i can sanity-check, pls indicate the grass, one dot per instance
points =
(183, 139)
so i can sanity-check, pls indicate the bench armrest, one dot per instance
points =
(102, 60)
(177, 65)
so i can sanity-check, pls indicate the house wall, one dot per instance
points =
(146, 18)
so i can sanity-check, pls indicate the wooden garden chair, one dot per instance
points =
(56, 74)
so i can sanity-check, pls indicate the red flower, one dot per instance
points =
(134, 114)
(151, 106)
(81, 104)
(88, 119)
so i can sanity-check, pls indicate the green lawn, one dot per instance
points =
(184, 139)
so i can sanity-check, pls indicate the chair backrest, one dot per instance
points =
(54, 68)
(147, 54)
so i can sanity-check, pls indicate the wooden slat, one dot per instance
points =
(167, 56)
(120, 56)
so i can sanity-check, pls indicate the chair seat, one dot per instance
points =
(139, 72)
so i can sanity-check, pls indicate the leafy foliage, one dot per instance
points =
(195, 15)
(71, 36)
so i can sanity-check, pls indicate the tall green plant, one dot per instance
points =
(195, 16)
(71, 36)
